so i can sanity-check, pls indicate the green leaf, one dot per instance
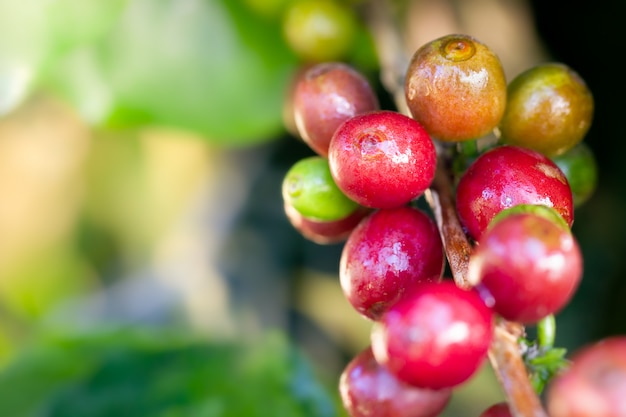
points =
(22, 49)
(76, 23)
(208, 66)
(543, 362)
(36, 34)
(160, 372)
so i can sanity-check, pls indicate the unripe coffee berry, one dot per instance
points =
(455, 86)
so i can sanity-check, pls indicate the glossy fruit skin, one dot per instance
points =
(549, 109)
(387, 254)
(325, 232)
(538, 210)
(530, 265)
(497, 410)
(504, 177)
(369, 390)
(580, 167)
(325, 96)
(456, 87)
(594, 384)
(437, 337)
(319, 30)
(382, 159)
(310, 189)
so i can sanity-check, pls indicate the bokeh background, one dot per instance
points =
(146, 264)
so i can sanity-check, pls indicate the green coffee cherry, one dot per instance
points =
(267, 8)
(549, 109)
(320, 30)
(311, 190)
(581, 170)
(539, 210)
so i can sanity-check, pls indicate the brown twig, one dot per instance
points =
(456, 245)
(504, 354)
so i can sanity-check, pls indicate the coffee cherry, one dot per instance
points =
(386, 255)
(319, 30)
(325, 96)
(268, 9)
(436, 337)
(504, 177)
(537, 209)
(455, 86)
(580, 167)
(530, 265)
(549, 109)
(382, 159)
(369, 390)
(595, 383)
(288, 113)
(310, 189)
(497, 410)
(325, 232)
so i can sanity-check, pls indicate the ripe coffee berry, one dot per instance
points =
(497, 410)
(386, 255)
(530, 265)
(367, 389)
(506, 176)
(324, 232)
(382, 159)
(325, 96)
(595, 383)
(455, 86)
(436, 337)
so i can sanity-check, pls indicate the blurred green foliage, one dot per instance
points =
(129, 372)
(212, 67)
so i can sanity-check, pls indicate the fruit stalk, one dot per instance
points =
(504, 354)
(456, 245)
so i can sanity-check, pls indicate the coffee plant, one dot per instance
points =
(455, 204)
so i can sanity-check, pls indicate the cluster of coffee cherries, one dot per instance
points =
(515, 192)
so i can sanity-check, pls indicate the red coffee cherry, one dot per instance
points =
(506, 176)
(325, 232)
(529, 264)
(368, 389)
(325, 96)
(497, 410)
(595, 383)
(382, 159)
(436, 337)
(386, 255)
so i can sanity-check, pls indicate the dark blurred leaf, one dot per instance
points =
(159, 373)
